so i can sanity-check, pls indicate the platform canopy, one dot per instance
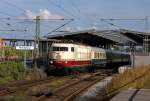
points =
(135, 35)
(94, 38)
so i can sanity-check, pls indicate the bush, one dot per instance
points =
(12, 71)
(10, 51)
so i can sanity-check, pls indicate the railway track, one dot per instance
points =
(65, 92)
(70, 91)
(23, 85)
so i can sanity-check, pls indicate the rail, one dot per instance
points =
(70, 91)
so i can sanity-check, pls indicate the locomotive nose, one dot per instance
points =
(58, 56)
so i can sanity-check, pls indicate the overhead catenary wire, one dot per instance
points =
(79, 11)
(10, 15)
(106, 20)
(112, 24)
(8, 24)
(12, 30)
(13, 5)
(60, 27)
(120, 19)
(15, 28)
(10, 18)
(4, 13)
(4, 1)
(12, 26)
(132, 19)
(66, 11)
(60, 7)
(75, 6)
(22, 9)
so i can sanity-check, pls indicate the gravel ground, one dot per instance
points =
(95, 92)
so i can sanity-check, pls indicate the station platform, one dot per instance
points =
(133, 95)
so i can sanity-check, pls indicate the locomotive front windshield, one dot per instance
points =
(59, 48)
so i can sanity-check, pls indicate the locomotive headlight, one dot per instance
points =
(66, 62)
(51, 62)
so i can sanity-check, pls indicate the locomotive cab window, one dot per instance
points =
(72, 49)
(55, 48)
(60, 48)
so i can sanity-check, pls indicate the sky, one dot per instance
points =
(87, 14)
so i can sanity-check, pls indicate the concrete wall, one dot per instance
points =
(141, 60)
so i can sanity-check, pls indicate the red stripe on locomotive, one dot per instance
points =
(70, 62)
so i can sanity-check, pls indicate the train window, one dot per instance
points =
(105, 55)
(60, 48)
(94, 55)
(63, 48)
(102, 55)
(72, 49)
(55, 48)
(99, 55)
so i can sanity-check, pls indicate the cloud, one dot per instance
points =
(43, 13)
(73, 28)
(79, 28)
(92, 28)
(68, 28)
(29, 14)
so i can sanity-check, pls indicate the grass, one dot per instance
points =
(10, 71)
(133, 78)
(57, 83)
(15, 98)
